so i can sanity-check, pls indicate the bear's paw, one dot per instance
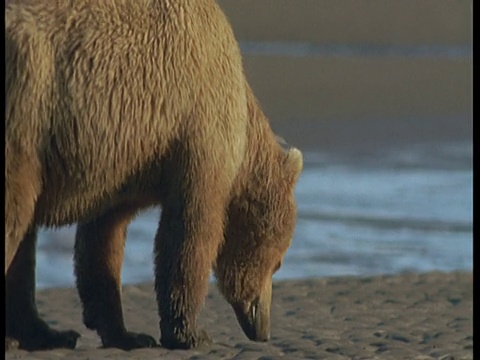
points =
(185, 342)
(43, 340)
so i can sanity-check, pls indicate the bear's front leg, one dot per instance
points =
(23, 327)
(185, 247)
(99, 247)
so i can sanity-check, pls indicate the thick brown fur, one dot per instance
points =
(114, 106)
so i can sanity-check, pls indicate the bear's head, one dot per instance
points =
(259, 230)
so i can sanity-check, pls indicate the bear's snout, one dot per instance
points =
(254, 320)
(254, 316)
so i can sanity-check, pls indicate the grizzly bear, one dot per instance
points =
(115, 106)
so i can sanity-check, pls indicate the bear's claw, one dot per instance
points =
(11, 343)
(67, 339)
(130, 341)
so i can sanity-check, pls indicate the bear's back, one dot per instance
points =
(121, 82)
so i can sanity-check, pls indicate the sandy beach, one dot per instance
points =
(360, 101)
(411, 316)
(349, 22)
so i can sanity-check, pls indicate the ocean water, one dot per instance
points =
(403, 212)
(406, 209)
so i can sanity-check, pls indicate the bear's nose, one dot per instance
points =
(254, 318)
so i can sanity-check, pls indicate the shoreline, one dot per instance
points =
(427, 315)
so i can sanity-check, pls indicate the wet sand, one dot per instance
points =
(410, 316)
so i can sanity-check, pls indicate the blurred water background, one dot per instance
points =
(384, 121)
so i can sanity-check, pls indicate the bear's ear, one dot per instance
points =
(293, 164)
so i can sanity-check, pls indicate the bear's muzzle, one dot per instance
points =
(254, 317)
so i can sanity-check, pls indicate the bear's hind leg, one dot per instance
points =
(24, 328)
(22, 188)
(99, 248)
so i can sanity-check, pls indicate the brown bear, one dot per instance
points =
(115, 106)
